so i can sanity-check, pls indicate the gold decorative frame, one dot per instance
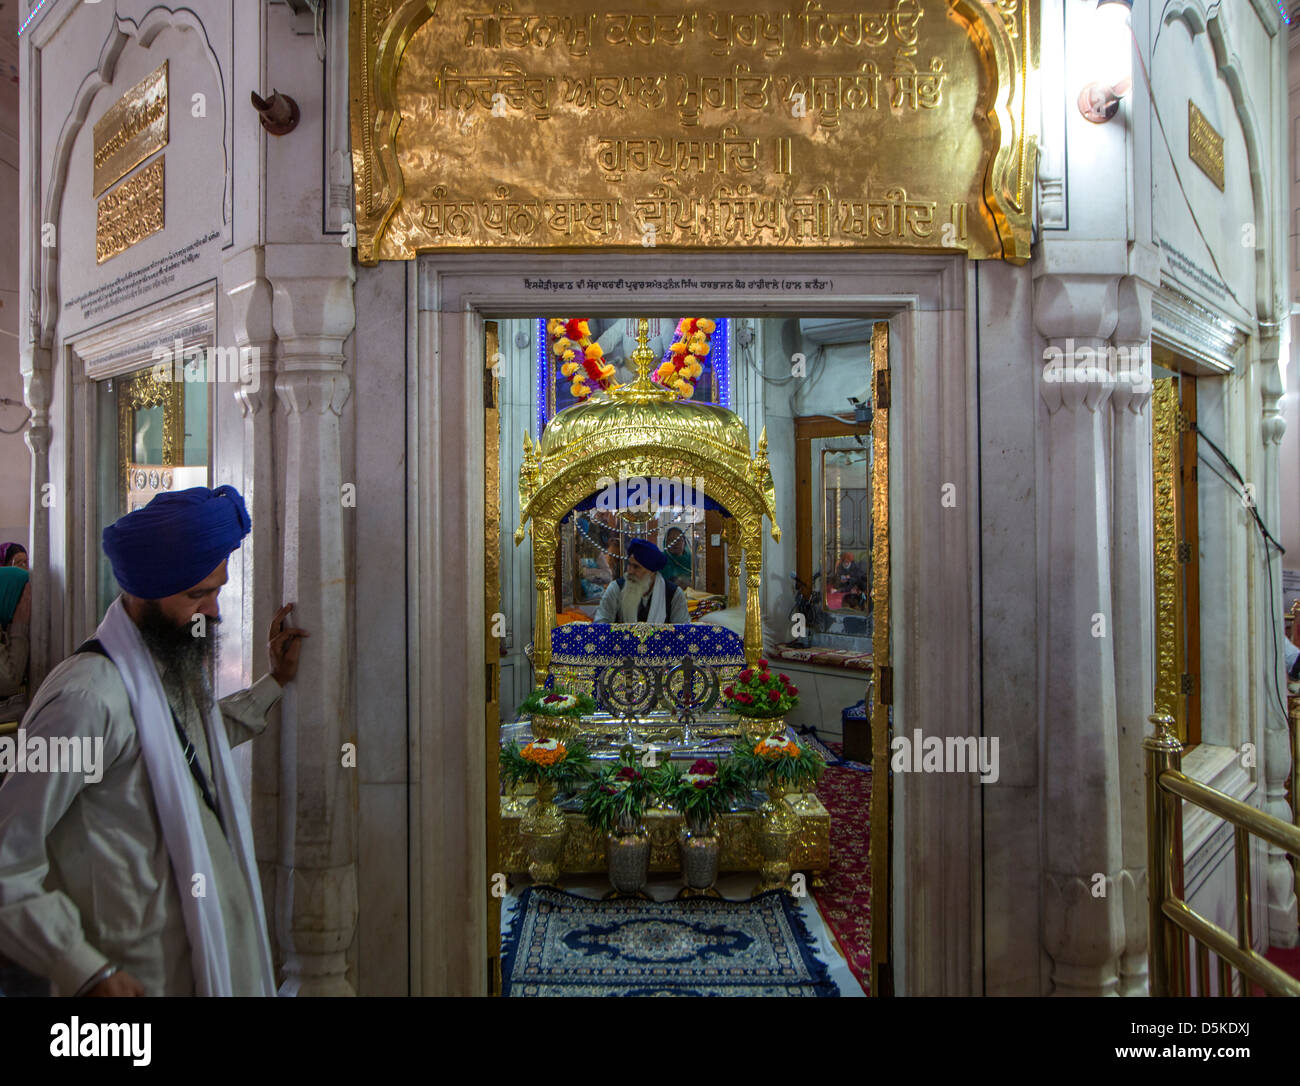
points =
(142, 390)
(640, 429)
(882, 671)
(985, 190)
(491, 644)
(1169, 596)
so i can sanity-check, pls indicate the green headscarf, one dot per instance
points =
(12, 582)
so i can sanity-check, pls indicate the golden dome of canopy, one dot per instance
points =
(630, 415)
(642, 428)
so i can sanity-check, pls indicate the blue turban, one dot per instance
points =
(647, 554)
(175, 541)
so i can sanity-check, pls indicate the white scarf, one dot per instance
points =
(657, 612)
(178, 807)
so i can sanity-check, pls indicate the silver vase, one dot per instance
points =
(627, 856)
(700, 851)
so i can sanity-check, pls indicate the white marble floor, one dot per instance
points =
(734, 887)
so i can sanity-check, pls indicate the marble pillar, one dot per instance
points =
(316, 892)
(38, 392)
(1279, 877)
(245, 284)
(1133, 606)
(1082, 909)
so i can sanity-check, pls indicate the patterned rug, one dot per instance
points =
(845, 897)
(563, 945)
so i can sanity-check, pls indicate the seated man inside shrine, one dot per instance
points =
(643, 595)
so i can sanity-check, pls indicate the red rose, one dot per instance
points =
(730, 692)
(763, 664)
(785, 679)
(745, 699)
(792, 690)
(703, 765)
(765, 676)
(774, 695)
(746, 675)
(627, 773)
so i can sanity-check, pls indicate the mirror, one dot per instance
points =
(846, 530)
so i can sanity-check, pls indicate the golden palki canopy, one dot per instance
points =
(641, 429)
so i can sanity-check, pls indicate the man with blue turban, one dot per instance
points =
(139, 877)
(642, 595)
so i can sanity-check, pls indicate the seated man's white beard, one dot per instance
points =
(633, 593)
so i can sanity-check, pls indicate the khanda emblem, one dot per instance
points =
(628, 690)
(692, 690)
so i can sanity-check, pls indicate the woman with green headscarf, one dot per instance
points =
(15, 617)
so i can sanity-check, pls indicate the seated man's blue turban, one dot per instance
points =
(175, 541)
(647, 554)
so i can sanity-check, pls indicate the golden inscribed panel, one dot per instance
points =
(1204, 145)
(889, 124)
(131, 212)
(134, 127)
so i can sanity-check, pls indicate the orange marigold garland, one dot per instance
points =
(684, 364)
(544, 752)
(582, 361)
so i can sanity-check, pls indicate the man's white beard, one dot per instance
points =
(633, 593)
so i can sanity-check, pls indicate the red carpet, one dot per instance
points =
(845, 899)
(1286, 959)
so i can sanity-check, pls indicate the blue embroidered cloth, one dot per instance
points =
(596, 644)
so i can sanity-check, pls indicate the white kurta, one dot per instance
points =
(84, 874)
(611, 602)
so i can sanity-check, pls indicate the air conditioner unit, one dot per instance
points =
(824, 331)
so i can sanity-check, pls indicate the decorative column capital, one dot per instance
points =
(1133, 310)
(1082, 306)
(312, 391)
(1077, 373)
(313, 310)
(251, 299)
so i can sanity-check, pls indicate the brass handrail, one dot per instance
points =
(1171, 918)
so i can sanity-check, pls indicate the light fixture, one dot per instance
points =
(1111, 64)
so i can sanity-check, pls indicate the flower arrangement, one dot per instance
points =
(757, 693)
(684, 363)
(582, 361)
(557, 702)
(779, 760)
(546, 761)
(704, 791)
(619, 794)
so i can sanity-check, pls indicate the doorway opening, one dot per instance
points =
(823, 593)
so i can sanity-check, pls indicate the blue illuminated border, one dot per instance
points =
(543, 374)
(720, 340)
(28, 21)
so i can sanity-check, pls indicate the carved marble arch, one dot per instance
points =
(124, 31)
(1230, 67)
(1004, 36)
